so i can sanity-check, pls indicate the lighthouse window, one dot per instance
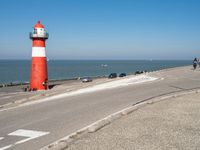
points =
(35, 31)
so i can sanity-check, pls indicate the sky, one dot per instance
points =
(103, 29)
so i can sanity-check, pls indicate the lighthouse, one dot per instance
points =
(38, 74)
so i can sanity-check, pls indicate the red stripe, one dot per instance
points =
(38, 43)
(38, 74)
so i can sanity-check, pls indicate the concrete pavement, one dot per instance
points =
(65, 115)
(170, 124)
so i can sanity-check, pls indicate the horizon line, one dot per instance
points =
(104, 59)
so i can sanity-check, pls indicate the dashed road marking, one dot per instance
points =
(29, 134)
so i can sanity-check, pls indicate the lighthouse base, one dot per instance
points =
(39, 78)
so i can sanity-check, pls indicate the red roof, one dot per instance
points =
(38, 25)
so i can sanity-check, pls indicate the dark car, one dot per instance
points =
(86, 79)
(138, 72)
(122, 75)
(112, 75)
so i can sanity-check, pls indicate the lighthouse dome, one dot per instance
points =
(38, 25)
(38, 32)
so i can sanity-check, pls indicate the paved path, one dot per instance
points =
(170, 124)
(34, 126)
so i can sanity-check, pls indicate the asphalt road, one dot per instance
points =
(35, 126)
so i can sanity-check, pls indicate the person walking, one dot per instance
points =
(195, 62)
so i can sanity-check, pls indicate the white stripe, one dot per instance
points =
(38, 52)
(27, 133)
(6, 147)
(1, 138)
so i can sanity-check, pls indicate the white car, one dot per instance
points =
(86, 79)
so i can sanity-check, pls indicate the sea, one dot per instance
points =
(18, 71)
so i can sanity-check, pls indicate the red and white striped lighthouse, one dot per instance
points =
(39, 74)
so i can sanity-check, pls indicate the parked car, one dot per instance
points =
(112, 75)
(86, 79)
(122, 75)
(138, 72)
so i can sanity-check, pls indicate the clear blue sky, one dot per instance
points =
(103, 29)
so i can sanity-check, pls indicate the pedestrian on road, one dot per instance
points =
(195, 62)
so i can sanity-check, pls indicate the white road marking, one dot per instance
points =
(103, 86)
(1, 138)
(109, 85)
(29, 134)
(6, 147)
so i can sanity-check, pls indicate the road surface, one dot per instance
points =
(37, 125)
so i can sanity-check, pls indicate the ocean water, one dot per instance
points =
(19, 70)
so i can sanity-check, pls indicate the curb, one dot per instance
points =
(66, 141)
